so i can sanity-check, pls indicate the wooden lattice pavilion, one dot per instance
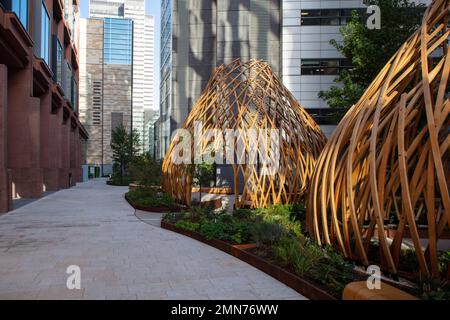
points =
(387, 166)
(244, 96)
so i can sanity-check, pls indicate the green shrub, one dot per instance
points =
(444, 261)
(226, 228)
(173, 216)
(145, 170)
(286, 251)
(284, 215)
(334, 271)
(432, 288)
(117, 179)
(309, 257)
(199, 212)
(299, 254)
(244, 214)
(150, 197)
(306, 258)
(267, 233)
(188, 225)
(337, 260)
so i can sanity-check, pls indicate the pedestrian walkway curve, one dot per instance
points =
(92, 227)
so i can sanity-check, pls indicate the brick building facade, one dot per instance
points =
(41, 138)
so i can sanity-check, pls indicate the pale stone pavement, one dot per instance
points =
(120, 256)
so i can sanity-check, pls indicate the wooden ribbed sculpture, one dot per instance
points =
(390, 157)
(245, 96)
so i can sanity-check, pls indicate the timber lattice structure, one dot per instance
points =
(245, 96)
(389, 158)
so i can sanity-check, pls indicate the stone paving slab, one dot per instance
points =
(120, 256)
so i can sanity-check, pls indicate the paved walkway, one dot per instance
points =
(120, 256)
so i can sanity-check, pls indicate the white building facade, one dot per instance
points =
(310, 63)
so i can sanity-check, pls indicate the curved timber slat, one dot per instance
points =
(390, 156)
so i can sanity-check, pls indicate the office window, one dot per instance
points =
(57, 61)
(45, 35)
(20, 7)
(118, 41)
(328, 17)
(325, 67)
(74, 94)
(68, 82)
(74, 29)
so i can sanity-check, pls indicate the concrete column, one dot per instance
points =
(56, 129)
(73, 157)
(24, 136)
(65, 155)
(79, 156)
(48, 143)
(5, 183)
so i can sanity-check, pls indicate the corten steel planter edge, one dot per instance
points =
(293, 281)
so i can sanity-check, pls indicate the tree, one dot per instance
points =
(203, 174)
(124, 146)
(369, 50)
(146, 170)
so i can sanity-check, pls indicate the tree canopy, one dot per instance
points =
(369, 50)
(124, 146)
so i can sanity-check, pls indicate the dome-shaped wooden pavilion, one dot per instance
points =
(247, 97)
(384, 175)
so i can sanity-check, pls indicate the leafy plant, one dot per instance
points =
(200, 212)
(337, 260)
(267, 233)
(145, 170)
(334, 271)
(307, 259)
(286, 250)
(432, 288)
(173, 216)
(244, 214)
(150, 197)
(408, 260)
(283, 215)
(226, 228)
(187, 225)
(444, 262)
(118, 179)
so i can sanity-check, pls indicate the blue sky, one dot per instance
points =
(153, 7)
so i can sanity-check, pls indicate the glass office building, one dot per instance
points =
(166, 76)
(118, 41)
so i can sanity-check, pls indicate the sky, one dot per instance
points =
(153, 7)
